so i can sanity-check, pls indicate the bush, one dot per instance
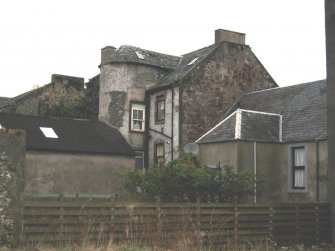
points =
(186, 179)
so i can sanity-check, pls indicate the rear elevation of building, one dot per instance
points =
(162, 102)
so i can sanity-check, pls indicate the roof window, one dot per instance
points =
(139, 55)
(193, 61)
(49, 132)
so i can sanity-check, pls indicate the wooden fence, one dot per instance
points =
(78, 219)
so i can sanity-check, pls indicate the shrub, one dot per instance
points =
(186, 179)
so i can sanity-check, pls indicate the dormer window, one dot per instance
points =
(49, 132)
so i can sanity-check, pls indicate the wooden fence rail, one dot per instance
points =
(68, 219)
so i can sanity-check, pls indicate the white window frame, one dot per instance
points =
(291, 181)
(138, 107)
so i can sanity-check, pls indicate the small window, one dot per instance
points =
(49, 132)
(160, 108)
(298, 174)
(139, 55)
(137, 117)
(193, 61)
(139, 160)
(159, 154)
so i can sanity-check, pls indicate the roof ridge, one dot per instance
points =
(284, 87)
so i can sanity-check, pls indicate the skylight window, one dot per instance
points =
(139, 55)
(49, 132)
(193, 61)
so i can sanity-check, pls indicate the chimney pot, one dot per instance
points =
(229, 36)
(107, 53)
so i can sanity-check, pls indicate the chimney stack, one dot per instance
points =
(106, 54)
(229, 36)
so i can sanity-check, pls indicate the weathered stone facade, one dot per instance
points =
(12, 165)
(120, 85)
(62, 90)
(200, 99)
(215, 85)
(92, 98)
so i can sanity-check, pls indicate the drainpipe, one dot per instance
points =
(146, 132)
(255, 172)
(172, 115)
(317, 170)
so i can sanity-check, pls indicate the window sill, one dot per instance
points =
(135, 131)
(297, 191)
(158, 122)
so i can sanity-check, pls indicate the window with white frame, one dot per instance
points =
(298, 168)
(137, 117)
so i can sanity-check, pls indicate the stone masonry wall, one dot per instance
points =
(12, 164)
(62, 89)
(121, 84)
(215, 85)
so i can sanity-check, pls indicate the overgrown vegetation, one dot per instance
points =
(187, 179)
(75, 109)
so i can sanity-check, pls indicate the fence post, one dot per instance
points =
(236, 223)
(297, 228)
(112, 220)
(159, 215)
(317, 224)
(271, 222)
(198, 213)
(61, 216)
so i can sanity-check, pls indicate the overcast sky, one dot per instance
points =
(42, 37)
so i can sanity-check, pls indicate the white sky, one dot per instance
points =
(42, 37)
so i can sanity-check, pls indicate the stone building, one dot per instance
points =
(162, 102)
(64, 96)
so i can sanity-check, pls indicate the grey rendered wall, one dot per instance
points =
(272, 162)
(75, 173)
(223, 153)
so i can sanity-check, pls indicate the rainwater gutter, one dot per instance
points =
(172, 122)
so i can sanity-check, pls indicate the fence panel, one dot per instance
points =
(102, 220)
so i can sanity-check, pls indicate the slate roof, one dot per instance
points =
(4, 100)
(303, 108)
(74, 135)
(252, 126)
(127, 53)
(187, 63)
(260, 127)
